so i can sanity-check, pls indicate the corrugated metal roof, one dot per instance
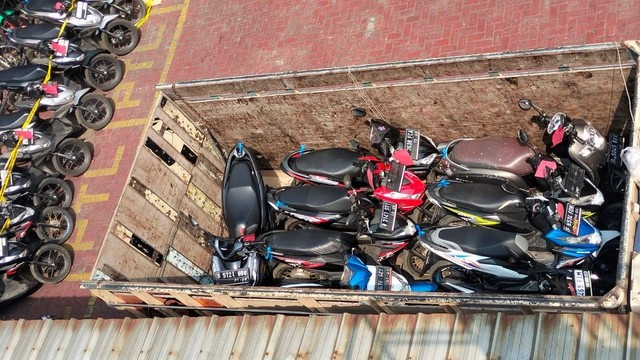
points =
(423, 336)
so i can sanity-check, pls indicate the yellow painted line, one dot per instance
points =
(174, 42)
(167, 9)
(83, 198)
(156, 42)
(73, 277)
(78, 244)
(137, 66)
(124, 91)
(110, 170)
(128, 123)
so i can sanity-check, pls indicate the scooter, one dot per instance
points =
(48, 263)
(473, 259)
(97, 68)
(33, 186)
(118, 36)
(52, 224)
(130, 10)
(45, 142)
(93, 111)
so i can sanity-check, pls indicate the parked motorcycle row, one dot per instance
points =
(467, 215)
(53, 57)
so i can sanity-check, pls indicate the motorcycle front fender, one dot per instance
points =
(79, 94)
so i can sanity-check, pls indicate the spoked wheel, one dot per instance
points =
(72, 157)
(55, 225)
(51, 264)
(131, 10)
(94, 112)
(9, 57)
(104, 72)
(53, 192)
(414, 261)
(120, 37)
(284, 271)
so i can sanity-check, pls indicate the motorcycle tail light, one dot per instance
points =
(12, 271)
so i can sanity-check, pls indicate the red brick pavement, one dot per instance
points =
(251, 37)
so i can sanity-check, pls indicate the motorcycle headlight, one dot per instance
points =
(594, 141)
(590, 239)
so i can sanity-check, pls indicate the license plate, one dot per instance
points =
(239, 276)
(81, 9)
(412, 142)
(388, 216)
(383, 278)
(582, 282)
(571, 222)
(616, 144)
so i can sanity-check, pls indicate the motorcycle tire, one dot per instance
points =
(95, 111)
(137, 8)
(55, 225)
(104, 72)
(295, 224)
(413, 264)
(10, 56)
(52, 191)
(77, 157)
(450, 220)
(120, 37)
(51, 264)
(283, 271)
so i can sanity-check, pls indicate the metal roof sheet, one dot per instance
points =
(423, 336)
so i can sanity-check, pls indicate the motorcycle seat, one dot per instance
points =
(41, 5)
(505, 154)
(487, 198)
(334, 163)
(316, 198)
(44, 31)
(22, 74)
(484, 241)
(242, 202)
(13, 120)
(310, 242)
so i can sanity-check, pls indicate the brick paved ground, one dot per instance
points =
(193, 39)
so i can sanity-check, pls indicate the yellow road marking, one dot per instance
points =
(174, 42)
(156, 42)
(78, 277)
(124, 91)
(166, 9)
(83, 198)
(137, 66)
(128, 123)
(78, 244)
(110, 170)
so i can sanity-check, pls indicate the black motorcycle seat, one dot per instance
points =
(505, 154)
(487, 198)
(310, 242)
(13, 120)
(484, 241)
(44, 31)
(242, 203)
(41, 5)
(328, 199)
(334, 162)
(22, 74)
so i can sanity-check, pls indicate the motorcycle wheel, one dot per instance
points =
(450, 220)
(104, 72)
(55, 225)
(94, 112)
(51, 264)
(53, 192)
(295, 224)
(445, 270)
(284, 271)
(135, 10)
(72, 158)
(120, 37)
(413, 264)
(9, 57)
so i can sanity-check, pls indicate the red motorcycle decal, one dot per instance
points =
(557, 136)
(541, 171)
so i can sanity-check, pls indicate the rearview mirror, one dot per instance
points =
(358, 112)
(523, 137)
(525, 104)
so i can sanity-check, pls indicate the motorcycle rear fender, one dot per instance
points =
(79, 94)
(106, 19)
(90, 54)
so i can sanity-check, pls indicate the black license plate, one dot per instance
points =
(240, 276)
(396, 176)
(412, 142)
(616, 144)
(388, 216)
